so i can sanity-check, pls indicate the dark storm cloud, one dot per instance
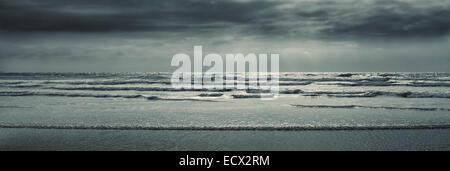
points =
(266, 18)
(116, 15)
(393, 19)
(142, 35)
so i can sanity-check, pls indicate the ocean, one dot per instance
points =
(141, 111)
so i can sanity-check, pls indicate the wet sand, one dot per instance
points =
(197, 140)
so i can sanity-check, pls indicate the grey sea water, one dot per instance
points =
(71, 106)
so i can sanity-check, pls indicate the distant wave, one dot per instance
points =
(351, 83)
(178, 99)
(245, 96)
(67, 75)
(257, 91)
(62, 84)
(252, 93)
(21, 85)
(291, 91)
(110, 82)
(406, 94)
(379, 83)
(139, 89)
(29, 93)
(63, 94)
(228, 128)
(294, 83)
(329, 79)
(210, 94)
(14, 107)
(11, 82)
(372, 107)
(286, 91)
(340, 93)
(346, 75)
(14, 80)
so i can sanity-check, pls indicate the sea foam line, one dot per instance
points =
(370, 107)
(229, 128)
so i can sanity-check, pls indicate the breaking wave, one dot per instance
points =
(294, 83)
(210, 95)
(109, 82)
(178, 99)
(63, 94)
(291, 91)
(290, 83)
(245, 96)
(329, 79)
(22, 85)
(406, 94)
(138, 89)
(381, 83)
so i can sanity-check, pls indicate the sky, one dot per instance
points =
(143, 35)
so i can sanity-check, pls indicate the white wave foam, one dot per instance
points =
(29, 93)
(291, 91)
(372, 107)
(229, 128)
(138, 89)
(108, 82)
(406, 94)
(245, 96)
(210, 94)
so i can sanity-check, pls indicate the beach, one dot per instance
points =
(185, 140)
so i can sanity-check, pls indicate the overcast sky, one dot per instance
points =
(143, 35)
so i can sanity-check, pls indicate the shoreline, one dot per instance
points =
(231, 128)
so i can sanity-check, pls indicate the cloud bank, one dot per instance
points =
(126, 33)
